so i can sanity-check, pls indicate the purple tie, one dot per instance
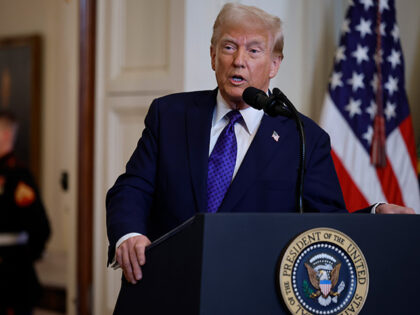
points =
(222, 163)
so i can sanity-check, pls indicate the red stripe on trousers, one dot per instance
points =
(353, 197)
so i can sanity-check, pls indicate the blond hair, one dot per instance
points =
(235, 13)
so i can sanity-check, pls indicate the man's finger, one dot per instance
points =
(141, 257)
(409, 211)
(135, 264)
(131, 256)
(126, 266)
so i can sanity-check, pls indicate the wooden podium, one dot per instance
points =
(227, 263)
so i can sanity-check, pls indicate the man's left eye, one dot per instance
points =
(254, 51)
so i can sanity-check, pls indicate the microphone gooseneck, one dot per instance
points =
(277, 104)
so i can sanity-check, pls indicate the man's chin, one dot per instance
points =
(235, 94)
(234, 101)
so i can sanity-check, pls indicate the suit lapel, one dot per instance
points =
(199, 118)
(262, 149)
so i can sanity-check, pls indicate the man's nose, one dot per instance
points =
(239, 58)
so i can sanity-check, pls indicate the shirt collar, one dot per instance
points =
(252, 117)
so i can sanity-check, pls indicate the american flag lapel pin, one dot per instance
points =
(275, 136)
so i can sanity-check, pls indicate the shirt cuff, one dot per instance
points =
(375, 206)
(114, 263)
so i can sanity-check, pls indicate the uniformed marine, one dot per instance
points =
(24, 228)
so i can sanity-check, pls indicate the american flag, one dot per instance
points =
(366, 111)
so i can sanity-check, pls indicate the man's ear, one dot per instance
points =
(213, 57)
(275, 65)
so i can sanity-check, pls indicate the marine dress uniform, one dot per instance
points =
(24, 230)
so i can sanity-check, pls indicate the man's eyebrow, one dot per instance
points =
(228, 40)
(256, 42)
(251, 43)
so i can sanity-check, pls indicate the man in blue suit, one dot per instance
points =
(166, 180)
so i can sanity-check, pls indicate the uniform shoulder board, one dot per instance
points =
(24, 195)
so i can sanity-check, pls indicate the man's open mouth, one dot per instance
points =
(237, 79)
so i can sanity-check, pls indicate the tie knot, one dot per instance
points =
(234, 116)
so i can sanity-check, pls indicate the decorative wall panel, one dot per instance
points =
(145, 46)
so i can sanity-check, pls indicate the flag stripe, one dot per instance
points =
(353, 197)
(402, 164)
(406, 129)
(351, 153)
(389, 183)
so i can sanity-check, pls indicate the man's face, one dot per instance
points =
(3, 139)
(242, 58)
(6, 139)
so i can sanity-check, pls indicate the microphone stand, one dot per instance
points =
(301, 171)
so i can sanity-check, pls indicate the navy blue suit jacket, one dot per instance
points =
(165, 179)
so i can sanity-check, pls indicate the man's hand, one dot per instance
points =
(130, 255)
(386, 208)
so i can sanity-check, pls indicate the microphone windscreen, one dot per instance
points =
(251, 96)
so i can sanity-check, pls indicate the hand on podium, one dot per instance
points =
(386, 208)
(130, 255)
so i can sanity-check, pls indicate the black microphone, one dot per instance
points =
(274, 105)
(271, 105)
(254, 97)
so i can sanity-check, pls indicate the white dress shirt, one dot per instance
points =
(245, 131)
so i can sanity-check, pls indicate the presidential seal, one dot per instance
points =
(323, 272)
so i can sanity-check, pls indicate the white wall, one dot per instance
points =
(57, 23)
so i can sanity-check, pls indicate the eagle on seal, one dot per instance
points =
(323, 282)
